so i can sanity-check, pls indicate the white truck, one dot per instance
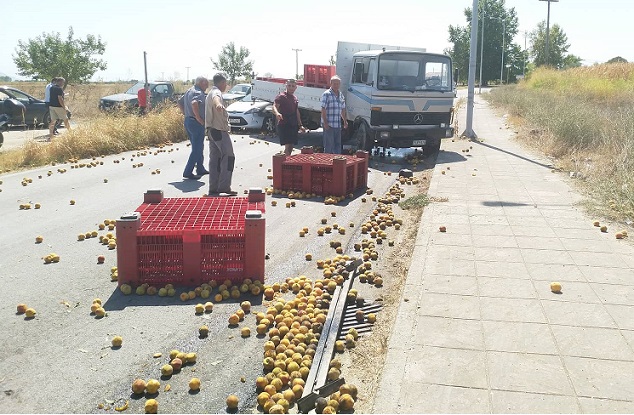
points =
(395, 96)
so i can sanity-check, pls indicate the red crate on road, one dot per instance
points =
(188, 241)
(318, 75)
(321, 173)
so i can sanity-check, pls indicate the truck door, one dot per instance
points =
(359, 93)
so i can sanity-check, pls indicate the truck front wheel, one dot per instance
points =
(431, 148)
(361, 138)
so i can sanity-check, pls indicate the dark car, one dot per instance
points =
(35, 110)
(159, 92)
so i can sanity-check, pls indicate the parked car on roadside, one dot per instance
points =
(159, 92)
(237, 92)
(35, 110)
(250, 114)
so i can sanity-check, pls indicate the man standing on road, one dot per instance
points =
(192, 104)
(333, 111)
(57, 108)
(221, 156)
(47, 100)
(286, 110)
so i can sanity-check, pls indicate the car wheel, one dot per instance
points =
(268, 125)
(46, 121)
(431, 148)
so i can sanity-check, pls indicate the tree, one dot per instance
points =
(459, 53)
(49, 55)
(557, 49)
(617, 59)
(5, 78)
(492, 13)
(233, 62)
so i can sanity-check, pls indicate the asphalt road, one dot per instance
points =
(17, 137)
(61, 361)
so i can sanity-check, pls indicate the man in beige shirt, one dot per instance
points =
(221, 157)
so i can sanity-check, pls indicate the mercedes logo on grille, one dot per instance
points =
(418, 118)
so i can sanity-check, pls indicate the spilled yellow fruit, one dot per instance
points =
(152, 386)
(232, 401)
(117, 341)
(194, 384)
(555, 287)
(151, 406)
(30, 312)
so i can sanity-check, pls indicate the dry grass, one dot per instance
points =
(103, 135)
(583, 119)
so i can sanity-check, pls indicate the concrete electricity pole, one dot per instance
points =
(187, 67)
(548, 30)
(297, 62)
(468, 132)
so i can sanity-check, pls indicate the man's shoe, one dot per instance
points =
(201, 173)
(191, 176)
(229, 193)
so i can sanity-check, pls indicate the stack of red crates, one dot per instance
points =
(318, 75)
(189, 241)
(321, 173)
(278, 80)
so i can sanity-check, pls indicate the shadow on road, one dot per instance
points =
(118, 301)
(447, 157)
(187, 185)
(548, 166)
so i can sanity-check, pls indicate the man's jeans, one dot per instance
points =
(196, 133)
(332, 140)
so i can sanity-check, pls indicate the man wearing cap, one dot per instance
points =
(333, 116)
(286, 110)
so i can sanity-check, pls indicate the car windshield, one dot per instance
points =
(246, 98)
(135, 88)
(414, 72)
(240, 89)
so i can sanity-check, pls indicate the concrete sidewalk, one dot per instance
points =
(478, 330)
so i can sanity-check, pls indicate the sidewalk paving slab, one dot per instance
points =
(478, 330)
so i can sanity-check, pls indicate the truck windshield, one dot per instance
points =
(414, 72)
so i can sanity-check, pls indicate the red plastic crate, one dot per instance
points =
(318, 75)
(321, 173)
(188, 241)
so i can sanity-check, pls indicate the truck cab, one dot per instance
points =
(397, 98)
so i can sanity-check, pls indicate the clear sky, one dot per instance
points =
(186, 33)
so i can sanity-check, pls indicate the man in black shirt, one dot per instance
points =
(57, 107)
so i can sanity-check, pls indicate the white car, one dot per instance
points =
(251, 114)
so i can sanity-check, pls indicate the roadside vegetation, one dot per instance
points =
(101, 135)
(584, 119)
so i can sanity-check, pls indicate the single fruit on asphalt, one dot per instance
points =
(176, 364)
(194, 384)
(30, 312)
(245, 332)
(101, 259)
(173, 354)
(232, 401)
(555, 287)
(22, 308)
(346, 403)
(151, 406)
(100, 312)
(619, 235)
(199, 309)
(604, 228)
(596, 223)
(152, 386)
(72, 201)
(39, 239)
(371, 318)
(203, 331)
(126, 289)
(167, 370)
(117, 341)
(443, 229)
(190, 357)
(138, 386)
(209, 306)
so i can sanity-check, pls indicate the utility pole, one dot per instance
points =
(481, 50)
(297, 62)
(468, 132)
(548, 30)
(503, 45)
(524, 67)
(187, 67)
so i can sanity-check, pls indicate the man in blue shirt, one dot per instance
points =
(333, 116)
(192, 104)
(47, 101)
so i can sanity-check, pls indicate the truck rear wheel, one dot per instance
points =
(361, 138)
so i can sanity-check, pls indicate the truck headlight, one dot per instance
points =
(443, 125)
(385, 134)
